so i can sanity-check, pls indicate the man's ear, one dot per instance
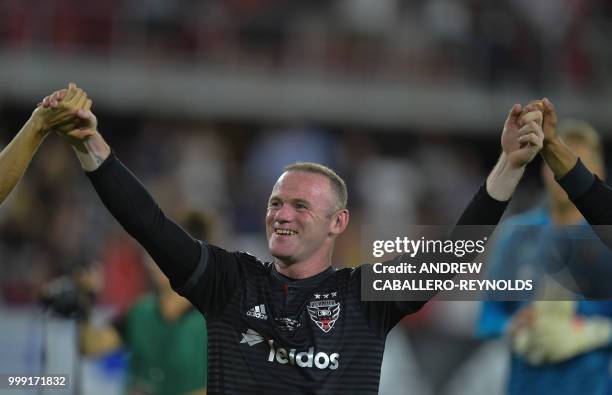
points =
(339, 222)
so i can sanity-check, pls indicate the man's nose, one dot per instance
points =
(284, 214)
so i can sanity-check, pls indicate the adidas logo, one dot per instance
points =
(258, 312)
(251, 337)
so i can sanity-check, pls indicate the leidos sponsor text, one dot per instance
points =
(303, 359)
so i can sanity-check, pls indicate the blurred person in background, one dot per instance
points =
(586, 190)
(163, 334)
(15, 157)
(559, 347)
(285, 311)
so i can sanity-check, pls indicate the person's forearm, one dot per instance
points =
(503, 179)
(592, 197)
(477, 222)
(596, 205)
(483, 209)
(558, 157)
(488, 205)
(15, 157)
(92, 152)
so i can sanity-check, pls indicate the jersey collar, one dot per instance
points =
(304, 282)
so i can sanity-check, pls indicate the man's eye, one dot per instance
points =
(300, 206)
(274, 205)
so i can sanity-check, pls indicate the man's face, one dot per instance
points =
(300, 215)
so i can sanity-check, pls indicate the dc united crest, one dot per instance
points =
(324, 310)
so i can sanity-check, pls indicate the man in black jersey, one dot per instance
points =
(590, 195)
(295, 325)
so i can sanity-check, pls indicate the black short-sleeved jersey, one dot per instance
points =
(282, 336)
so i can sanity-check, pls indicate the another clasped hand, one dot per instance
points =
(68, 112)
(522, 137)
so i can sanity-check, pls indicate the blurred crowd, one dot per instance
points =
(560, 43)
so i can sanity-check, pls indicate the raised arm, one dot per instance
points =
(521, 140)
(16, 156)
(588, 193)
(557, 155)
(173, 249)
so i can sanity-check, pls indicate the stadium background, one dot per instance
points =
(206, 100)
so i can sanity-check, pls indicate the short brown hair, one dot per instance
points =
(573, 130)
(338, 184)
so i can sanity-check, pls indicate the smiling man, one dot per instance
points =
(306, 212)
(295, 325)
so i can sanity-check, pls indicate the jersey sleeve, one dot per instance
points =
(592, 197)
(215, 279)
(477, 222)
(173, 249)
(482, 209)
